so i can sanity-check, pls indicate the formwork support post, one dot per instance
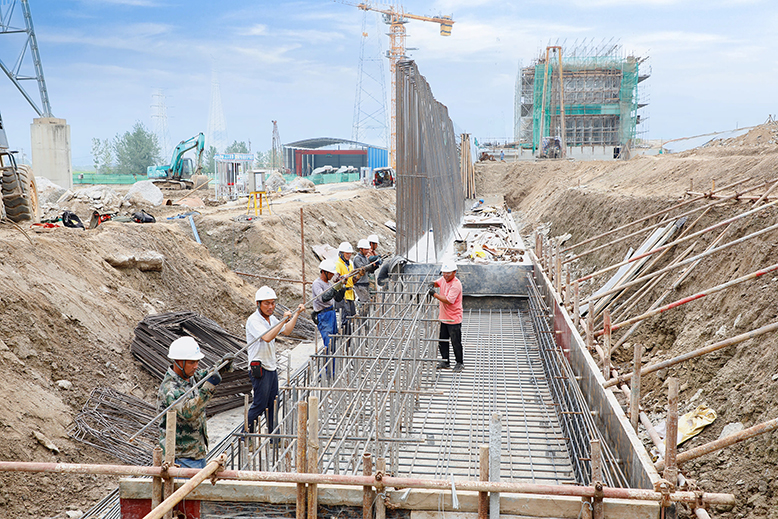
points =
(313, 454)
(598, 508)
(634, 400)
(380, 504)
(671, 438)
(590, 329)
(558, 268)
(568, 288)
(367, 490)
(606, 348)
(302, 443)
(576, 305)
(156, 483)
(170, 452)
(495, 448)
(483, 469)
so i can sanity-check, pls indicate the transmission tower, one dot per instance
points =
(276, 154)
(370, 114)
(23, 70)
(216, 134)
(159, 120)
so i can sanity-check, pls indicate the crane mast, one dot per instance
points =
(396, 18)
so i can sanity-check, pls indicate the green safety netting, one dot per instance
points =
(95, 178)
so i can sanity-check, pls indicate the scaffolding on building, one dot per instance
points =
(600, 97)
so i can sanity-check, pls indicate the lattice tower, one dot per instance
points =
(159, 121)
(216, 134)
(276, 153)
(370, 118)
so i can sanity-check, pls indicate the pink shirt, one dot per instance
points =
(451, 311)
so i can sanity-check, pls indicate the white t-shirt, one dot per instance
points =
(257, 326)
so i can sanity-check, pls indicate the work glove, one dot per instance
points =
(228, 368)
(215, 379)
(431, 292)
(339, 295)
(315, 317)
(431, 285)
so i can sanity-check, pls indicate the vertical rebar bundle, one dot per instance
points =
(430, 197)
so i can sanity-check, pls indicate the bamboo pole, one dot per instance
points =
(170, 452)
(156, 483)
(483, 473)
(681, 263)
(664, 211)
(388, 481)
(313, 454)
(168, 504)
(675, 242)
(380, 504)
(302, 430)
(693, 297)
(670, 472)
(598, 508)
(696, 353)
(367, 490)
(727, 441)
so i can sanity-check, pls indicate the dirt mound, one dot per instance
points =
(739, 382)
(68, 315)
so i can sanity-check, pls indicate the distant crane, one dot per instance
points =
(396, 18)
(276, 154)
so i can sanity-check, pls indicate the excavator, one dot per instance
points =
(19, 195)
(181, 173)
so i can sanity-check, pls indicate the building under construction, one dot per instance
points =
(598, 103)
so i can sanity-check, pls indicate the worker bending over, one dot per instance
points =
(262, 354)
(323, 307)
(191, 429)
(450, 316)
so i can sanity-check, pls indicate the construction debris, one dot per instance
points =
(489, 235)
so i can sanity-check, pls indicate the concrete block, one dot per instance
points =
(50, 138)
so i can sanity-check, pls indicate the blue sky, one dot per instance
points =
(713, 63)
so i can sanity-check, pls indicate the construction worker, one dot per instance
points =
(191, 431)
(373, 240)
(324, 310)
(262, 354)
(450, 316)
(344, 266)
(362, 285)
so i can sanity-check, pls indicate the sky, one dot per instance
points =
(713, 63)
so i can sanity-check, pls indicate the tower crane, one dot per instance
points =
(396, 18)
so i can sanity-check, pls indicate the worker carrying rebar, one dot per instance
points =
(263, 364)
(344, 266)
(324, 307)
(450, 315)
(364, 260)
(191, 431)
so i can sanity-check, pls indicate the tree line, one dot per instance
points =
(132, 152)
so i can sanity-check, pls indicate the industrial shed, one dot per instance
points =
(302, 157)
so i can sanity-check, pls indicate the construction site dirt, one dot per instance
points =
(69, 316)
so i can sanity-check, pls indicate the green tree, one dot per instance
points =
(208, 165)
(136, 150)
(262, 159)
(237, 147)
(102, 156)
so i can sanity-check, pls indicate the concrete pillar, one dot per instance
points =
(51, 150)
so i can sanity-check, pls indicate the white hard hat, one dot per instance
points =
(185, 348)
(363, 244)
(448, 266)
(265, 293)
(373, 238)
(328, 265)
(345, 247)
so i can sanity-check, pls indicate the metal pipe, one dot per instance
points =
(380, 504)
(156, 483)
(483, 468)
(675, 242)
(170, 450)
(694, 297)
(663, 211)
(643, 279)
(732, 439)
(696, 353)
(634, 401)
(349, 480)
(168, 504)
(300, 465)
(313, 454)
(367, 490)
(495, 450)
(598, 508)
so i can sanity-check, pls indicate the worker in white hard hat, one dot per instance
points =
(323, 308)
(450, 315)
(374, 242)
(183, 373)
(363, 261)
(262, 354)
(344, 266)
